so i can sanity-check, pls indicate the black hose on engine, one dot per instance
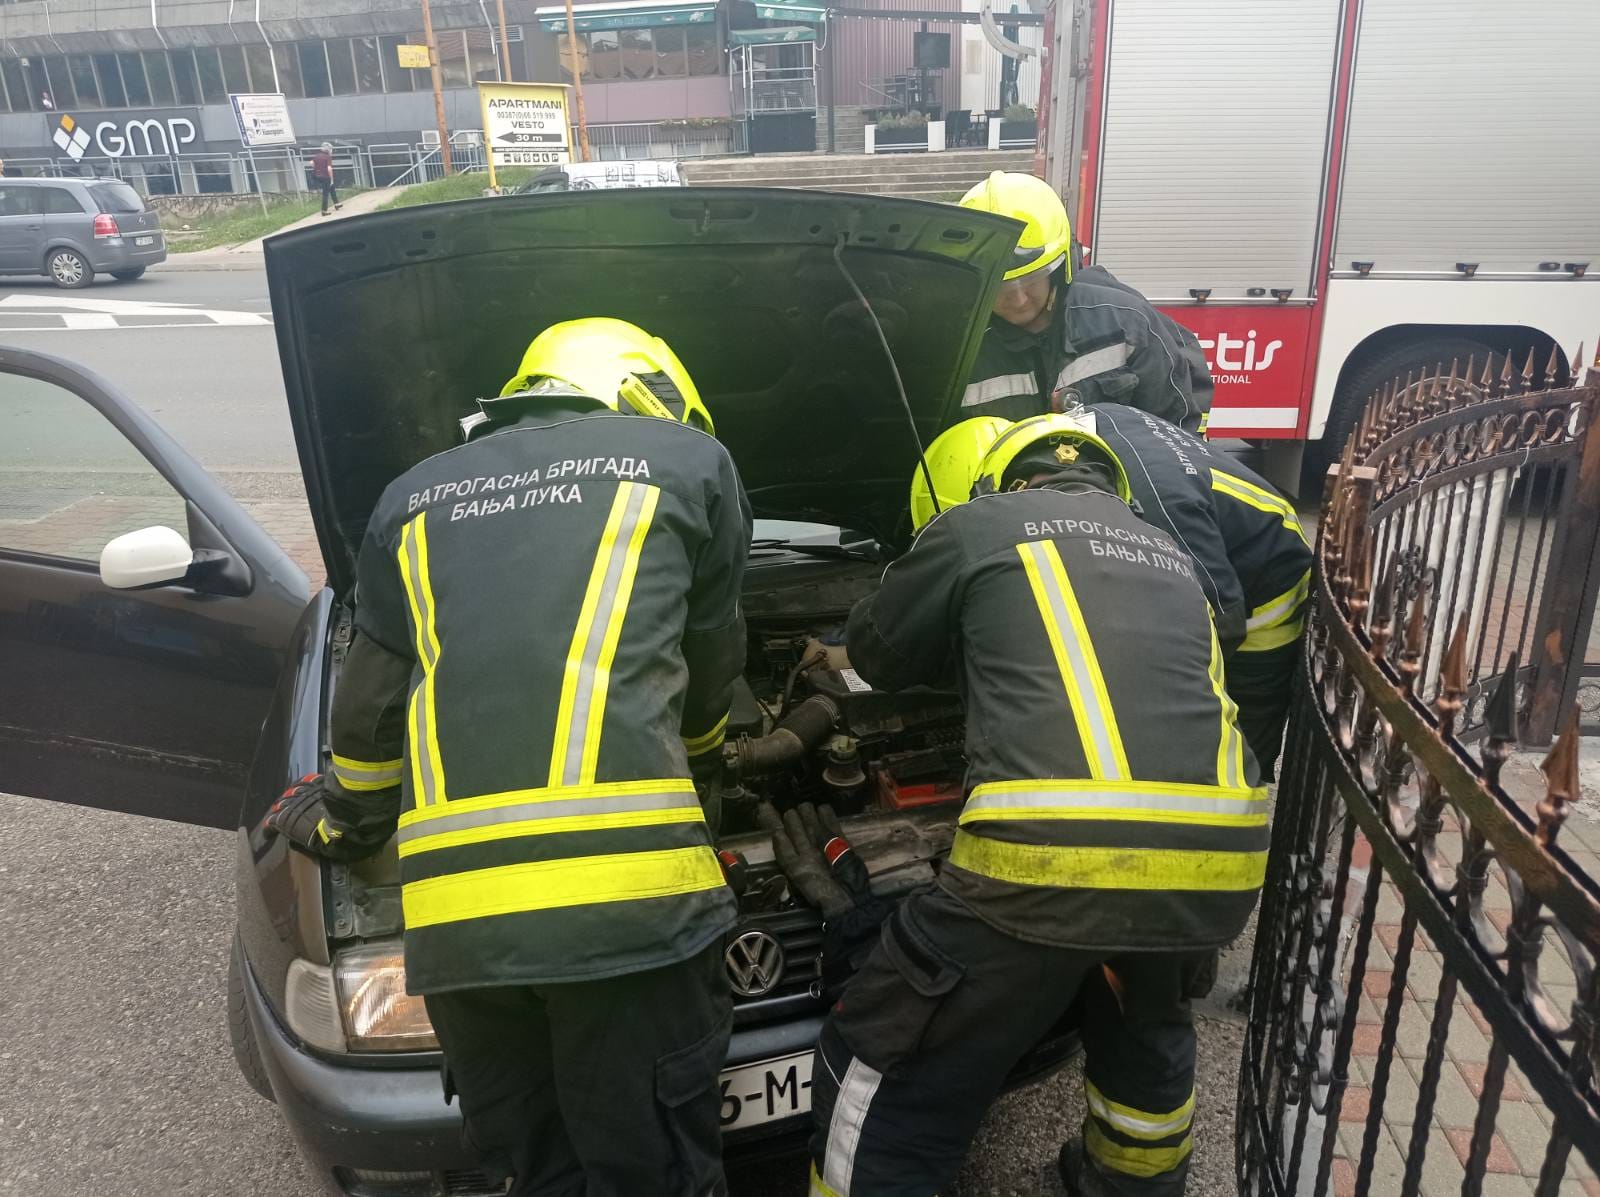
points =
(797, 733)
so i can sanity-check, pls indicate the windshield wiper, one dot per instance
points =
(867, 552)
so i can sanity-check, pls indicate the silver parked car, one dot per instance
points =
(73, 229)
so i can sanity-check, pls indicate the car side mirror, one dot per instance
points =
(147, 557)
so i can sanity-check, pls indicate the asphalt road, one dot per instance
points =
(216, 387)
(116, 1075)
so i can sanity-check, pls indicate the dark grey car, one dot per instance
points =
(72, 229)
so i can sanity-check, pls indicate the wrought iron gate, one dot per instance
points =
(1454, 596)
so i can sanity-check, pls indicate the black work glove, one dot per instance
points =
(814, 855)
(301, 817)
(827, 872)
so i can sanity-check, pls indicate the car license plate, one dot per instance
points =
(766, 1091)
(150, 240)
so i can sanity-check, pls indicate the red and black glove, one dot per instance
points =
(301, 817)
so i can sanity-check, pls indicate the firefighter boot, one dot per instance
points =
(1083, 1179)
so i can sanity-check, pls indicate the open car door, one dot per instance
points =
(144, 616)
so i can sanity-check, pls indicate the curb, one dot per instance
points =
(179, 266)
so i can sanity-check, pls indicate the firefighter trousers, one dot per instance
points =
(594, 1088)
(946, 1006)
(1261, 684)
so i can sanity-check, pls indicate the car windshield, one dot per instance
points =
(116, 197)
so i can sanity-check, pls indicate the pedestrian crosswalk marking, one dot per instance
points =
(70, 313)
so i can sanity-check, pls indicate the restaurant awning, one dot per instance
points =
(772, 36)
(808, 11)
(628, 14)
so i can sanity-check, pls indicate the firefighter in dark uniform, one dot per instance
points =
(547, 633)
(1250, 555)
(1059, 337)
(1114, 832)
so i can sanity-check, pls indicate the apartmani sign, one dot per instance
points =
(161, 133)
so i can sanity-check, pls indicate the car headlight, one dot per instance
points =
(377, 1012)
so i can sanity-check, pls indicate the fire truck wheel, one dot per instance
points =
(1372, 375)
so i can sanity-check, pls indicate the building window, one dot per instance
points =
(81, 68)
(14, 86)
(341, 69)
(484, 56)
(288, 60)
(258, 56)
(638, 53)
(395, 76)
(184, 78)
(235, 76)
(133, 80)
(111, 93)
(314, 70)
(605, 55)
(159, 76)
(209, 67)
(60, 81)
(452, 58)
(369, 65)
(672, 60)
(705, 55)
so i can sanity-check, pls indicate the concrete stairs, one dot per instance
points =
(916, 176)
(849, 129)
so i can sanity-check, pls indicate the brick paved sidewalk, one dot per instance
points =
(1522, 1128)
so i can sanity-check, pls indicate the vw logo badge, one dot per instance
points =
(755, 963)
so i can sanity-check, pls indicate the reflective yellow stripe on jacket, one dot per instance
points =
(581, 716)
(549, 884)
(1070, 867)
(548, 811)
(1279, 620)
(1251, 495)
(1075, 657)
(361, 777)
(708, 741)
(422, 723)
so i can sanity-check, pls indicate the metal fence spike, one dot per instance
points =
(1487, 381)
(1560, 770)
(1382, 612)
(1527, 371)
(1453, 676)
(1411, 646)
(1453, 387)
(1552, 368)
(1500, 721)
(1506, 373)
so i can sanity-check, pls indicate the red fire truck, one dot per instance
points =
(1333, 192)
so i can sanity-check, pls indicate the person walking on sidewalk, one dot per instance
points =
(322, 172)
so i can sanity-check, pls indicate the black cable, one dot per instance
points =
(894, 367)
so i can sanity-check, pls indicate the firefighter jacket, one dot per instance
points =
(1249, 551)
(1104, 344)
(547, 620)
(1112, 803)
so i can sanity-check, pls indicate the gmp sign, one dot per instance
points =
(162, 133)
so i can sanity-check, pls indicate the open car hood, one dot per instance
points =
(391, 325)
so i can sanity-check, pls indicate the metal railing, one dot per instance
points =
(1465, 512)
(667, 139)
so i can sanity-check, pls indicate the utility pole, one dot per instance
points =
(573, 61)
(438, 87)
(505, 48)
